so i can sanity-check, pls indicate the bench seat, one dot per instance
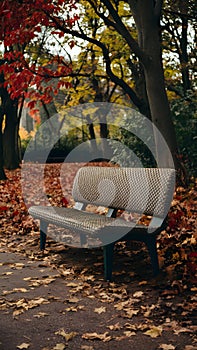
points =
(140, 190)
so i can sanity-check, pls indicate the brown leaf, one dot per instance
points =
(41, 314)
(67, 336)
(129, 333)
(130, 313)
(59, 346)
(73, 300)
(114, 327)
(100, 310)
(105, 337)
(138, 294)
(23, 346)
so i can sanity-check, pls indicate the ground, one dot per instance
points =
(59, 299)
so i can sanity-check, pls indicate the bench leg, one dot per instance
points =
(43, 230)
(108, 251)
(152, 249)
(83, 239)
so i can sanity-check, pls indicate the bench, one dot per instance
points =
(137, 190)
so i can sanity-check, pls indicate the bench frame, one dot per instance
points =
(137, 234)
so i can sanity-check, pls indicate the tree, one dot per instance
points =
(145, 48)
(178, 41)
(138, 25)
(26, 45)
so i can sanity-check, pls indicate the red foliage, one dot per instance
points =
(3, 208)
(176, 245)
(17, 32)
(64, 202)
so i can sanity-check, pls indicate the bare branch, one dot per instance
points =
(120, 28)
(106, 57)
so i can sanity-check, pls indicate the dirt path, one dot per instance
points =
(60, 301)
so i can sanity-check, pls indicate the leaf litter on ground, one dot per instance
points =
(168, 300)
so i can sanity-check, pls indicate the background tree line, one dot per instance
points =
(137, 53)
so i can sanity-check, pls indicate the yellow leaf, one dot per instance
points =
(23, 346)
(86, 347)
(154, 332)
(100, 310)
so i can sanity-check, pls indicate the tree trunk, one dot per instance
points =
(93, 144)
(10, 137)
(184, 56)
(104, 132)
(2, 173)
(150, 43)
(160, 111)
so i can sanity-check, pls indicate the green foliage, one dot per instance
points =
(59, 151)
(185, 121)
(130, 150)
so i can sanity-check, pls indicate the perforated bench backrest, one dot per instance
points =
(140, 190)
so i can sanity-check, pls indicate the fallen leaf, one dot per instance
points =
(182, 330)
(74, 308)
(114, 327)
(154, 332)
(67, 336)
(86, 347)
(24, 305)
(15, 290)
(23, 346)
(41, 314)
(138, 294)
(73, 300)
(59, 346)
(130, 313)
(166, 347)
(72, 284)
(129, 333)
(142, 283)
(104, 336)
(17, 266)
(100, 310)
(7, 273)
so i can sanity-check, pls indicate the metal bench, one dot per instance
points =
(138, 190)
